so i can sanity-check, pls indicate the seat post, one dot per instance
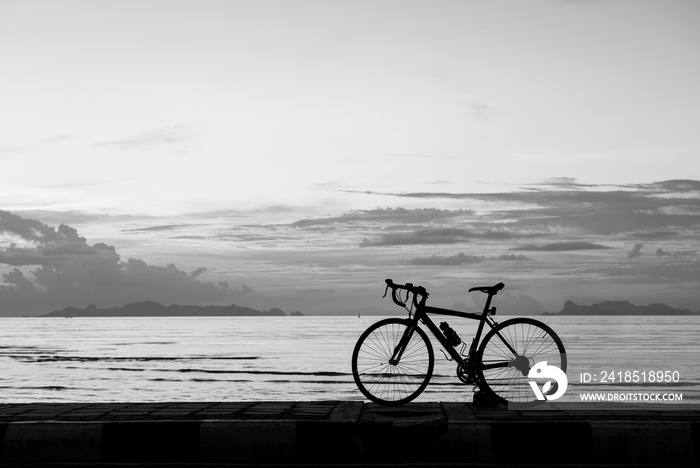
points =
(487, 306)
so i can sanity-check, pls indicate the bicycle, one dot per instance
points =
(393, 360)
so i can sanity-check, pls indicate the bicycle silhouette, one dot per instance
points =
(393, 360)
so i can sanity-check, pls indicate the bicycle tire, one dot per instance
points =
(382, 382)
(532, 340)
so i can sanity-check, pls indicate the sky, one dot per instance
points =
(295, 153)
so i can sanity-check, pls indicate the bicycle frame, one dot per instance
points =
(421, 314)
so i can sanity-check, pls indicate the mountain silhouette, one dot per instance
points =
(154, 309)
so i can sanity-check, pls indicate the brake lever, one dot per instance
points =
(386, 290)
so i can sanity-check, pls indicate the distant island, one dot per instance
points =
(154, 309)
(621, 308)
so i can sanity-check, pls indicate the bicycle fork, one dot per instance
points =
(401, 347)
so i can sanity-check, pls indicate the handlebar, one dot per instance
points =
(410, 288)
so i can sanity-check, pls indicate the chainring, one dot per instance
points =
(464, 375)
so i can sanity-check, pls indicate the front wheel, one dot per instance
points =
(507, 354)
(386, 383)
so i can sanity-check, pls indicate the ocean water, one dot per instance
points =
(298, 358)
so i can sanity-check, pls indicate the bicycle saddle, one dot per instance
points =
(490, 290)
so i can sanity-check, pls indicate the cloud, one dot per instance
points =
(565, 182)
(561, 209)
(617, 222)
(171, 136)
(245, 289)
(423, 236)
(464, 259)
(458, 259)
(561, 246)
(480, 110)
(56, 254)
(566, 198)
(30, 230)
(441, 235)
(656, 234)
(685, 272)
(636, 250)
(16, 278)
(676, 253)
(198, 272)
(75, 217)
(167, 227)
(56, 267)
(394, 215)
(675, 185)
(511, 258)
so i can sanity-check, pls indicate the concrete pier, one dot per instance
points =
(345, 433)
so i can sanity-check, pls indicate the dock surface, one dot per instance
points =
(349, 433)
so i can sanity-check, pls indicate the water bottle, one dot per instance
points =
(450, 334)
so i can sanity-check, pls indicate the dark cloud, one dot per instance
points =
(511, 234)
(566, 206)
(29, 229)
(56, 267)
(676, 253)
(511, 258)
(636, 250)
(423, 236)
(561, 246)
(57, 254)
(562, 197)
(17, 278)
(198, 272)
(656, 234)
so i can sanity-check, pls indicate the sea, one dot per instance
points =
(202, 359)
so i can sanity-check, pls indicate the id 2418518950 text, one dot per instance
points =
(630, 376)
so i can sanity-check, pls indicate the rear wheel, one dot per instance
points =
(386, 383)
(503, 373)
